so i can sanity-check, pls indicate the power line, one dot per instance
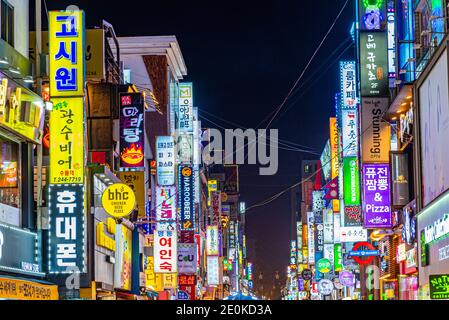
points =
(308, 64)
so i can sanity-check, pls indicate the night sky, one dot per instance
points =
(243, 57)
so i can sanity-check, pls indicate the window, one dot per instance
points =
(10, 195)
(7, 22)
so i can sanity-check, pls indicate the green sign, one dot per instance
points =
(424, 249)
(373, 64)
(323, 265)
(439, 286)
(338, 259)
(351, 181)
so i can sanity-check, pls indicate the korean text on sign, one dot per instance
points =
(66, 53)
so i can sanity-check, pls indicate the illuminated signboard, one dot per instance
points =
(391, 36)
(165, 206)
(438, 286)
(66, 53)
(184, 148)
(132, 143)
(186, 257)
(374, 64)
(353, 234)
(185, 197)
(352, 216)
(211, 187)
(377, 202)
(311, 237)
(123, 255)
(372, 14)
(351, 181)
(136, 181)
(375, 132)
(212, 245)
(165, 251)
(213, 270)
(165, 158)
(185, 111)
(325, 159)
(67, 141)
(350, 132)
(348, 84)
(118, 200)
(334, 142)
(66, 228)
(249, 271)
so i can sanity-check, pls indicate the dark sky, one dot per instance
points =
(243, 57)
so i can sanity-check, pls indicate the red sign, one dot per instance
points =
(364, 246)
(186, 280)
(190, 290)
(187, 236)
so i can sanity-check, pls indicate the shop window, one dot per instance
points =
(7, 22)
(10, 196)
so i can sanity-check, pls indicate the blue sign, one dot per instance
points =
(182, 295)
(364, 253)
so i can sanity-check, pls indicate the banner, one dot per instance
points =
(348, 84)
(377, 202)
(132, 135)
(376, 133)
(212, 244)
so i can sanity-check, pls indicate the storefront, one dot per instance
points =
(21, 125)
(433, 242)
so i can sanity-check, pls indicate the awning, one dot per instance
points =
(27, 289)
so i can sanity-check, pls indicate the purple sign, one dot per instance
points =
(346, 278)
(377, 204)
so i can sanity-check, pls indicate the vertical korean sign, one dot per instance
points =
(350, 132)
(66, 190)
(166, 207)
(66, 223)
(334, 147)
(165, 157)
(373, 64)
(185, 198)
(165, 251)
(185, 110)
(131, 130)
(67, 76)
(377, 202)
(351, 181)
(348, 84)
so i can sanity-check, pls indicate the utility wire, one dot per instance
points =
(308, 64)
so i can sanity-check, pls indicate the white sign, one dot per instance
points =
(165, 251)
(213, 270)
(348, 84)
(328, 219)
(165, 159)
(187, 258)
(311, 237)
(325, 286)
(165, 207)
(443, 254)
(185, 110)
(337, 224)
(353, 234)
(350, 132)
(401, 254)
(212, 240)
(438, 229)
(184, 148)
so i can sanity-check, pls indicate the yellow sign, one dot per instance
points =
(21, 111)
(170, 280)
(334, 142)
(118, 200)
(211, 186)
(104, 240)
(335, 205)
(67, 141)
(66, 53)
(153, 280)
(26, 290)
(94, 51)
(136, 181)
